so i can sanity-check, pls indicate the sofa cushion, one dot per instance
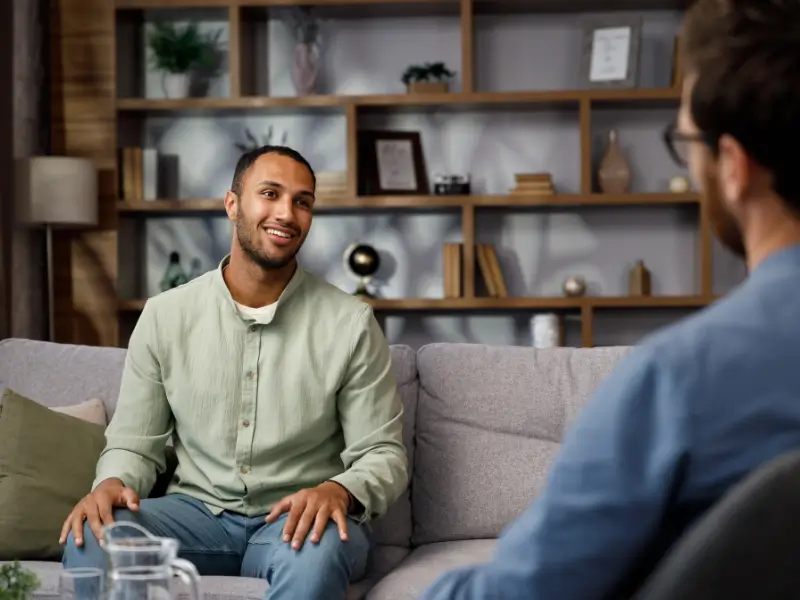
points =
(47, 464)
(394, 528)
(61, 374)
(489, 422)
(424, 565)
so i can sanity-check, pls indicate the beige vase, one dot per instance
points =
(614, 175)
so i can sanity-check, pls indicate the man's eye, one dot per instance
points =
(270, 193)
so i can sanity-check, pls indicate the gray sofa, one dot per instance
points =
(482, 425)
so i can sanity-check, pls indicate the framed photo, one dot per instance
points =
(391, 163)
(610, 52)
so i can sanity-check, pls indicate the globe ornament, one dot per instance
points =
(363, 261)
(574, 286)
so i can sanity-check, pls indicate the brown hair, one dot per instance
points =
(745, 55)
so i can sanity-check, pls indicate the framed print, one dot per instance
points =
(610, 53)
(391, 163)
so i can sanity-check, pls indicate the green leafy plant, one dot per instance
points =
(429, 71)
(178, 50)
(252, 142)
(16, 582)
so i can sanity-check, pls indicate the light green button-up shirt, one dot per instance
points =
(259, 408)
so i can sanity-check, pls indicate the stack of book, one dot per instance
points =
(331, 184)
(534, 184)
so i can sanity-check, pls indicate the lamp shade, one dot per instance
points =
(56, 191)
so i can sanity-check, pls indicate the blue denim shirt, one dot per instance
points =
(685, 416)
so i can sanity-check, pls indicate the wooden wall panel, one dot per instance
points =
(84, 124)
(6, 164)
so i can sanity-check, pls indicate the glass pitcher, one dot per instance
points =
(141, 566)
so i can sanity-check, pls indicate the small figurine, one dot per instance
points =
(174, 275)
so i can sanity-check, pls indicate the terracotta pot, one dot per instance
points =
(305, 68)
(614, 175)
(427, 87)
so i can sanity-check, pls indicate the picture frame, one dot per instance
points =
(391, 163)
(610, 52)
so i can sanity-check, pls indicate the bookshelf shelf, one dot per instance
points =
(480, 304)
(466, 100)
(170, 207)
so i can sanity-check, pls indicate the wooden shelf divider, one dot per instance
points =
(235, 51)
(467, 46)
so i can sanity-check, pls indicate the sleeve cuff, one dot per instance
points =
(353, 484)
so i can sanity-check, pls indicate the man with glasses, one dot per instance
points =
(701, 404)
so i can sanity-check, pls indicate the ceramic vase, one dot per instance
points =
(176, 85)
(614, 175)
(305, 68)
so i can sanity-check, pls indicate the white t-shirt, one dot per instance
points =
(256, 313)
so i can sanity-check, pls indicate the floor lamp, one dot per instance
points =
(57, 192)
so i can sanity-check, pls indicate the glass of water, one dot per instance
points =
(82, 584)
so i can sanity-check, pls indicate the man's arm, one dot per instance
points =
(142, 422)
(371, 413)
(605, 495)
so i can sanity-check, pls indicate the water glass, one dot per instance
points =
(82, 584)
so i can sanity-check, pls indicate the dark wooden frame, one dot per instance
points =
(368, 180)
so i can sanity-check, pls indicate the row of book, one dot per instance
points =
(488, 266)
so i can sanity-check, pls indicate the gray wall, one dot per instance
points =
(537, 248)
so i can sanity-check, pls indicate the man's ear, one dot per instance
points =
(231, 203)
(734, 170)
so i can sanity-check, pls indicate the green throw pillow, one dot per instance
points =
(47, 464)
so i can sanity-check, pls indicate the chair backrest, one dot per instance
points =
(745, 546)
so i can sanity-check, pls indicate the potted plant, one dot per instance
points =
(177, 52)
(306, 54)
(427, 78)
(16, 582)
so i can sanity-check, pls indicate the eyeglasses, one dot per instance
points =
(678, 143)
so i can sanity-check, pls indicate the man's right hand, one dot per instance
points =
(97, 507)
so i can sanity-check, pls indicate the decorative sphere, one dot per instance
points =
(363, 260)
(679, 184)
(574, 286)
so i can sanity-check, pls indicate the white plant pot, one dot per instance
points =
(176, 85)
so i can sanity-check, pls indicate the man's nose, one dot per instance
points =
(284, 208)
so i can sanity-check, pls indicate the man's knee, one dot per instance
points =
(325, 563)
(89, 553)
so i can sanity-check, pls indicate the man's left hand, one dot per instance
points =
(312, 507)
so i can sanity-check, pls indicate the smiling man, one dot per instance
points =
(278, 391)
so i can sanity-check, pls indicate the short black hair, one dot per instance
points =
(746, 56)
(247, 159)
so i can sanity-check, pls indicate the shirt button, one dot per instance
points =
(253, 327)
(250, 374)
(245, 423)
(244, 469)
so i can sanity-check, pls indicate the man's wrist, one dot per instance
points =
(351, 500)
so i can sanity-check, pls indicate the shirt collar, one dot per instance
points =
(294, 284)
(778, 263)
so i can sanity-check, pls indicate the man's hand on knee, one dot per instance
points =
(97, 508)
(310, 510)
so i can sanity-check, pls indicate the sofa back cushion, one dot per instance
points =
(61, 374)
(394, 528)
(489, 422)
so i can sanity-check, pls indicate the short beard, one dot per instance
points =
(259, 258)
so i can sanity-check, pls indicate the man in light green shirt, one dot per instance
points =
(278, 391)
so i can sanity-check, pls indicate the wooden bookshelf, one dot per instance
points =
(85, 78)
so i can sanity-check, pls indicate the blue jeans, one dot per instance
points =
(236, 545)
